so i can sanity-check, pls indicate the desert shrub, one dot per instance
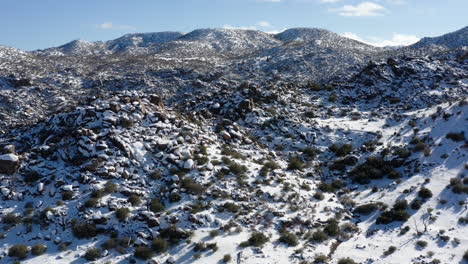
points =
(134, 200)
(226, 150)
(340, 164)
(143, 253)
(200, 246)
(156, 206)
(424, 193)
(91, 202)
(342, 150)
(173, 234)
(374, 167)
(319, 196)
(214, 233)
(310, 152)
(465, 255)
(349, 228)
(18, 251)
(320, 259)
(346, 261)
(295, 163)
(231, 207)
(67, 195)
(456, 136)
(12, 219)
(110, 187)
(109, 243)
(236, 168)
(227, 258)
(122, 213)
(257, 239)
(38, 249)
(421, 243)
(289, 238)
(416, 204)
(400, 205)
(191, 186)
(366, 209)
(174, 197)
(402, 153)
(84, 230)
(159, 245)
(332, 228)
(156, 175)
(326, 187)
(390, 250)
(92, 253)
(196, 255)
(319, 236)
(421, 146)
(404, 230)
(212, 246)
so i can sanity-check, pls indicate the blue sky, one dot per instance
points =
(34, 24)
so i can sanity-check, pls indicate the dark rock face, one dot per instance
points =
(9, 163)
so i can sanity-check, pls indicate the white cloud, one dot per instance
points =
(264, 24)
(105, 25)
(329, 1)
(396, 40)
(362, 9)
(234, 27)
(110, 25)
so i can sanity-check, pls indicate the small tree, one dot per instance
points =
(18, 251)
(92, 253)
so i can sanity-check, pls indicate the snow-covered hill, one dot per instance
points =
(234, 146)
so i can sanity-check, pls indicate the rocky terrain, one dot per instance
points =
(234, 146)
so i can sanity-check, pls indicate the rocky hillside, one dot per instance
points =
(236, 155)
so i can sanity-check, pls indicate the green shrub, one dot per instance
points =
(173, 235)
(84, 230)
(342, 150)
(214, 233)
(67, 195)
(424, 193)
(319, 196)
(122, 213)
(257, 239)
(227, 258)
(400, 205)
(295, 163)
(321, 259)
(92, 253)
(456, 136)
(421, 146)
(91, 202)
(289, 238)
(159, 245)
(416, 204)
(332, 228)
(319, 236)
(38, 249)
(156, 206)
(18, 251)
(231, 207)
(12, 219)
(310, 152)
(374, 167)
(346, 261)
(134, 200)
(143, 253)
(110, 187)
(109, 243)
(326, 187)
(421, 243)
(366, 209)
(390, 250)
(191, 186)
(174, 197)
